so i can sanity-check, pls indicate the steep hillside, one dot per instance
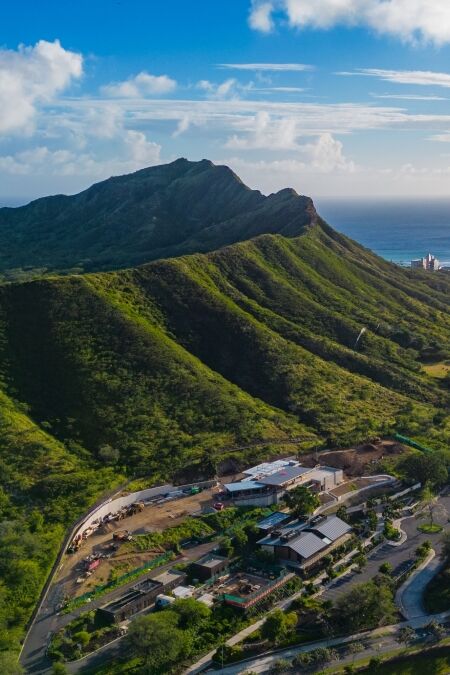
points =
(163, 211)
(181, 362)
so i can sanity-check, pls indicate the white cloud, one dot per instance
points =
(327, 155)
(267, 133)
(260, 17)
(142, 84)
(271, 67)
(427, 78)
(441, 138)
(31, 76)
(409, 97)
(132, 151)
(230, 88)
(183, 125)
(409, 20)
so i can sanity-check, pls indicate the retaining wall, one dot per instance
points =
(114, 505)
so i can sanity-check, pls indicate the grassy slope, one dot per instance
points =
(177, 360)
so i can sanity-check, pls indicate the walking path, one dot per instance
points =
(376, 642)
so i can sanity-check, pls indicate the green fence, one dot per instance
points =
(411, 443)
(120, 581)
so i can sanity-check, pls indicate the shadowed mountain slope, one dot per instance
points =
(159, 212)
(181, 363)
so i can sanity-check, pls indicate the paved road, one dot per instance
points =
(33, 657)
(397, 556)
(376, 642)
(410, 596)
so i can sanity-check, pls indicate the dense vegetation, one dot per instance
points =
(168, 367)
(163, 211)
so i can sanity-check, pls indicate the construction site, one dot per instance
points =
(98, 553)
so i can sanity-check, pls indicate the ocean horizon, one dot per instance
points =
(398, 230)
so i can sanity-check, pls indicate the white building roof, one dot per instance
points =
(266, 468)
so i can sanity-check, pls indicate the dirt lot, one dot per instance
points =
(152, 518)
(356, 461)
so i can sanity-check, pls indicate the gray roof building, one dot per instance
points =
(308, 544)
(285, 475)
(332, 528)
(272, 521)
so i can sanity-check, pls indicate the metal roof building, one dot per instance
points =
(266, 468)
(272, 521)
(332, 528)
(305, 544)
(285, 475)
(308, 544)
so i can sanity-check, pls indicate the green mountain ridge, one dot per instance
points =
(173, 363)
(159, 212)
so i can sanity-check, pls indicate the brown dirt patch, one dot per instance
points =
(356, 461)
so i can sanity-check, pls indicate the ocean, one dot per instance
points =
(397, 230)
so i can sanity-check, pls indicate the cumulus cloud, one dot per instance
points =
(409, 20)
(260, 17)
(143, 84)
(267, 133)
(324, 153)
(327, 155)
(31, 76)
(131, 152)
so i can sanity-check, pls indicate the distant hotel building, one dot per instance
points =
(430, 263)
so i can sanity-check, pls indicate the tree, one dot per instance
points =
(436, 630)
(355, 648)
(278, 625)
(301, 501)
(426, 468)
(429, 502)
(191, 612)
(156, 639)
(374, 664)
(226, 547)
(281, 666)
(361, 560)
(59, 668)
(108, 454)
(9, 664)
(386, 568)
(372, 520)
(366, 605)
(406, 635)
(342, 513)
(82, 638)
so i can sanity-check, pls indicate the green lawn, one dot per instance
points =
(425, 664)
(428, 528)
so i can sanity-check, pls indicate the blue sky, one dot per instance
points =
(332, 97)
